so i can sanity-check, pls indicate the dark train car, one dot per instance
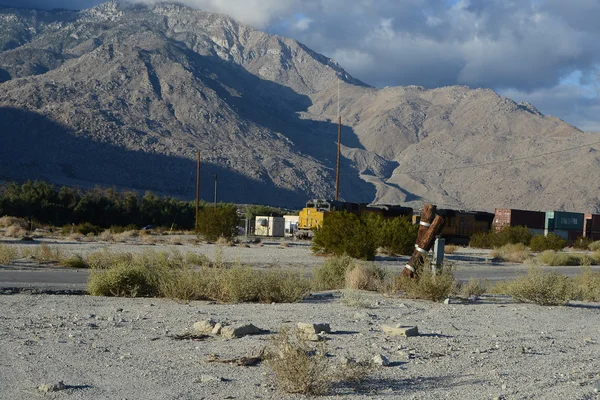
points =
(461, 225)
(534, 220)
(591, 226)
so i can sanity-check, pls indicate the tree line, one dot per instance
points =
(43, 202)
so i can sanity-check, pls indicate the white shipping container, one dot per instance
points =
(270, 226)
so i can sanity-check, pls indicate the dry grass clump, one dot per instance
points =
(125, 236)
(537, 286)
(74, 261)
(76, 237)
(175, 241)
(516, 253)
(332, 274)
(554, 258)
(7, 221)
(15, 231)
(364, 277)
(429, 286)
(223, 241)
(285, 245)
(353, 298)
(450, 249)
(594, 246)
(302, 367)
(43, 253)
(8, 254)
(586, 286)
(106, 236)
(172, 275)
(475, 287)
(147, 239)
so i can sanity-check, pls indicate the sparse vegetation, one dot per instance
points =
(429, 286)
(538, 286)
(475, 287)
(364, 277)
(594, 246)
(554, 258)
(172, 275)
(302, 367)
(582, 243)
(332, 274)
(450, 249)
(507, 235)
(354, 298)
(586, 286)
(15, 231)
(8, 254)
(516, 253)
(549, 242)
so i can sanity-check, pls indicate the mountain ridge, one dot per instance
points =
(164, 80)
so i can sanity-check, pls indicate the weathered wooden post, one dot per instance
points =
(428, 232)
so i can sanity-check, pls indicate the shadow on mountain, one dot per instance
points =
(277, 108)
(4, 76)
(35, 147)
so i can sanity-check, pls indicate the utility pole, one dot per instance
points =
(198, 192)
(337, 171)
(216, 190)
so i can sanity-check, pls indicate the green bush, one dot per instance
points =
(85, 228)
(582, 243)
(594, 246)
(216, 222)
(332, 274)
(348, 234)
(540, 287)
(396, 235)
(586, 286)
(507, 235)
(123, 280)
(550, 242)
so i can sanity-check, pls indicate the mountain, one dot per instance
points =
(124, 95)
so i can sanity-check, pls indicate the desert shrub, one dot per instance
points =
(222, 241)
(215, 222)
(594, 246)
(7, 221)
(124, 236)
(196, 259)
(15, 231)
(300, 366)
(516, 253)
(475, 287)
(553, 258)
(429, 286)
(123, 280)
(280, 286)
(586, 286)
(184, 285)
(450, 249)
(332, 274)
(43, 253)
(147, 238)
(550, 242)
(353, 298)
(507, 235)
(8, 254)
(396, 235)
(105, 259)
(364, 277)
(540, 287)
(582, 243)
(74, 261)
(106, 236)
(114, 229)
(348, 234)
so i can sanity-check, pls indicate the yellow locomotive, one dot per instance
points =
(312, 217)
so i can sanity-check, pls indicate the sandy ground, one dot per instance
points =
(115, 348)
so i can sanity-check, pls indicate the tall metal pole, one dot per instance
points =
(215, 190)
(198, 192)
(337, 172)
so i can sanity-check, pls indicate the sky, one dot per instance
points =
(546, 52)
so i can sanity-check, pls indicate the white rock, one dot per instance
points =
(205, 326)
(382, 360)
(314, 328)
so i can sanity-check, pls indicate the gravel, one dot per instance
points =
(118, 348)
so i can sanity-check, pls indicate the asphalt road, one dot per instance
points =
(68, 279)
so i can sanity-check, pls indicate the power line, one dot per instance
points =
(509, 160)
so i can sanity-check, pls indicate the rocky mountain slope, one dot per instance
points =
(125, 95)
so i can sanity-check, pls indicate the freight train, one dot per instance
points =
(312, 216)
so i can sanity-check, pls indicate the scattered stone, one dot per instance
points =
(205, 326)
(52, 387)
(400, 330)
(314, 328)
(597, 387)
(209, 378)
(119, 310)
(217, 329)
(240, 330)
(381, 360)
